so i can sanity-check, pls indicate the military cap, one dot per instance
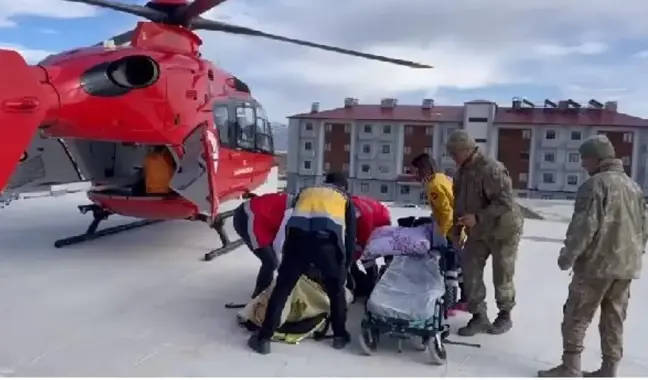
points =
(460, 140)
(598, 146)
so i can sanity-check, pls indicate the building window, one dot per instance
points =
(550, 135)
(327, 166)
(347, 147)
(627, 137)
(387, 129)
(548, 178)
(345, 167)
(576, 136)
(407, 150)
(366, 148)
(309, 126)
(384, 189)
(328, 127)
(408, 130)
(526, 134)
(307, 165)
(572, 179)
(308, 145)
(365, 168)
(347, 128)
(364, 187)
(574, 157)
(386, 149)
(429, 131)
(549, 157)
(383, 169)
(523, 177)
(328, 147)
(524, 155)
(626, 160)
(367, 128)
(405, 189)
(478, 120)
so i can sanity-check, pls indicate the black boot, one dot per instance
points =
(260, 345)
(501, 324)
(339, 342)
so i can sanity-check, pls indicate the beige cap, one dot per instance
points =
(598, 146)
(460, 140)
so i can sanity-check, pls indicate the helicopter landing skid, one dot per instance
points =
(227, 245)
(92, 233)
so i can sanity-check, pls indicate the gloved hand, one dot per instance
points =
(563, 261)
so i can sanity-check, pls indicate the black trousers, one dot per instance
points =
(301, 250)
(267, 255)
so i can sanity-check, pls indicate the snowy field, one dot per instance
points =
(553, 210)
(143, 304)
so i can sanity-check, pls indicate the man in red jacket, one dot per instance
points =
(371, 214)
(257, 222)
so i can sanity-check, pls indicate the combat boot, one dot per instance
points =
(478, 324)
(608, 369)
(502, 323)
(570, 367)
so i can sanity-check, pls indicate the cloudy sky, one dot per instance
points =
(495, 49)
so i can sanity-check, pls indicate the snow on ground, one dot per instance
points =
(554, 210)
(143, 304)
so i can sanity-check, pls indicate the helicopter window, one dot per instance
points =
(221, 119)
(263, 132)
(246, 121)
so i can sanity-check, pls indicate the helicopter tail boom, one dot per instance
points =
(26, 100)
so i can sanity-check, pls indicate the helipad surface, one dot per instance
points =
(142, 304)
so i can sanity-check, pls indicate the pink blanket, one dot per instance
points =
(398, 241)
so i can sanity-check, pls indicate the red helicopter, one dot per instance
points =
(92, 114)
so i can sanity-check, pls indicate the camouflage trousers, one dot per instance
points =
(585, 297)
(473, 261)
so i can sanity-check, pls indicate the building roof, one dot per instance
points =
(504, 115)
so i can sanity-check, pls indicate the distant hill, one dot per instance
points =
(280, 132)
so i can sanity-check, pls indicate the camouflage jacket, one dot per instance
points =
(482, 186)
(608, 232)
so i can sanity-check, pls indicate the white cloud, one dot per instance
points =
(471, 43)
(43, 8)
(31, 55)
(587, 48)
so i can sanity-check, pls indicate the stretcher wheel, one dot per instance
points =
(368, 341)
(436, 350)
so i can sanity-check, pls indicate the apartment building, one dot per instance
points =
(539, 144)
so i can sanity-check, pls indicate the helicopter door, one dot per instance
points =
(243, 157)
(45, 163)
(195, 176)
(22, 109)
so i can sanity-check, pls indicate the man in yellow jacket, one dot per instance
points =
(440, 197)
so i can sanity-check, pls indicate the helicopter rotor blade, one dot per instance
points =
(197, 8)
(133, 9)
(120, 39)
(204, 24)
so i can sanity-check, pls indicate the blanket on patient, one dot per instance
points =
(399, 241)
(304, 313)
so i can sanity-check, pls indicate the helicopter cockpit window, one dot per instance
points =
(221, 119)
(246, 121)
(263, 132)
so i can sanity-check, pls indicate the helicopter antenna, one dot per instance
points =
(188, 15)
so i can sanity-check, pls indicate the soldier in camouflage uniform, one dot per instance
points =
(485, 206)
(604, 247)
